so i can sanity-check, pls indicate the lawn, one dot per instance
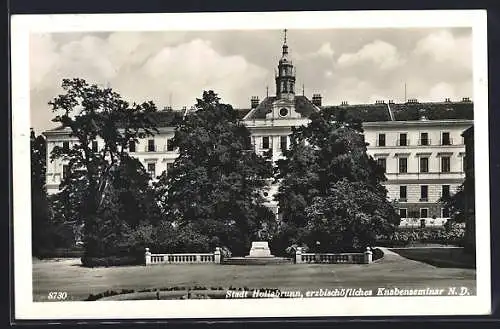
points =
(440, 257)
(391, 271)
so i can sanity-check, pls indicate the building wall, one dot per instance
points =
(434, 177)
(413, 179)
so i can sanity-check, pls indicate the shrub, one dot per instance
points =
(450, 234)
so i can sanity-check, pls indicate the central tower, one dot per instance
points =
(285, 77)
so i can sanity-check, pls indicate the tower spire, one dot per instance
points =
(285, 46)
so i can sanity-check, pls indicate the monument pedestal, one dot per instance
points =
(260, 249)
(259, 254)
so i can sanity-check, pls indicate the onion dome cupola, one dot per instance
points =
(285, 77)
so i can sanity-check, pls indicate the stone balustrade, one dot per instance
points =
(190, 258)
(332, 258)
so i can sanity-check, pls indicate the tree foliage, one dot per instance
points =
(214, 189)
(97, 182)
(331, 196)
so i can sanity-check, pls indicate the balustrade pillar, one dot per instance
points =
(147, 255)
(368, 255)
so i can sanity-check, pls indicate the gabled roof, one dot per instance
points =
(303, 106)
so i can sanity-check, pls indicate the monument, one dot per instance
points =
(259, 254)
(260, 249)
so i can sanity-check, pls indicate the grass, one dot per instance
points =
(440, 257)
(392, 271)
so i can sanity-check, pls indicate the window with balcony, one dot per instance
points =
(445, 164)
(94, 146)
(424, 165)
(283, 143)
(170, 145)
(381, 139)
(403, 139)
(66, 146)
(402, 213)
(445, 191)
(152, 169)
(131, 146)
(403, 165)
(424, 139)
(382, 162)
(265, 142)
(402, 193)
(445, 138)
(424, 193)
(151, 145)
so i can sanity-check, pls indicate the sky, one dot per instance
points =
(172, 68)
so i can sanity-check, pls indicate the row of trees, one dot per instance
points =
(330, 194)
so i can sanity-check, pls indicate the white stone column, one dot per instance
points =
(147, 254)
(298, 255)
(368, 255)
(217, 255)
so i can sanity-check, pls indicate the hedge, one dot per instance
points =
(111, 261)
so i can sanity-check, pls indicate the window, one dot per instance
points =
(65, 173)
(382, 163)
(445, 164)
(381, 139)
(170, 165)
(170, 145)
(403, 140)
(66, 146)
(445, 191)
(464, 163)
(265, 142)
(151, 145)
(424, 165)
(422, 223)
(403, 165)
(402, 193)
(283, 143)
(424, 213)
(94, 146)
(445, 139)
(424, 139)
(424, 192)
(445, 213)
(152, 169)
(283, 112)
(402, 212)
(131, 146)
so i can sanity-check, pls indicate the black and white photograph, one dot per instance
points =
(232, 165)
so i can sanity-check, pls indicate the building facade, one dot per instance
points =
(419, 144)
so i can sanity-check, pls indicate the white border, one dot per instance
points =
(25, 308)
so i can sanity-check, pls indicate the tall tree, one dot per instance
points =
(91, 113)
(40, 220)
(214, 188)
(331, 194)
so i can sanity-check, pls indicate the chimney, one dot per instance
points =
(254, 102)
(447, 100)
(391, 101)
(344, 103)
(379, 102)
(316, 100)
(412, 100)
(466, 100)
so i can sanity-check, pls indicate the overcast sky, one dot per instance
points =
(358, 66)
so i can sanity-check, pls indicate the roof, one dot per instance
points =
(241, 113)
(303, 106)
(163, 118)
(409, 111)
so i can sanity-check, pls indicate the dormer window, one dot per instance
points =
(283, 112)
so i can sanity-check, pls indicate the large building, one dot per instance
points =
(419, 144)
